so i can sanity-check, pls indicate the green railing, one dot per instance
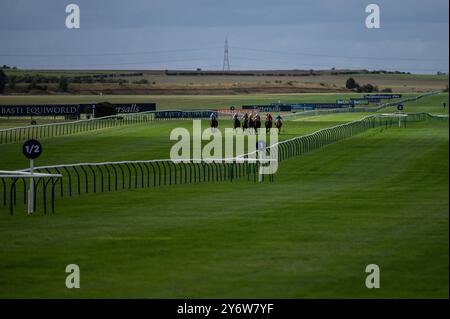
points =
(85, 178)
(15, 186)
(306, 143)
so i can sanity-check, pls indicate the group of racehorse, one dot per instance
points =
(251, 122)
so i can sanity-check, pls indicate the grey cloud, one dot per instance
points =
(410, 28)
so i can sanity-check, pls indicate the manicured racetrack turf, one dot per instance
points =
(379, 197)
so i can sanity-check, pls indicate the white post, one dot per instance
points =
(31, 190)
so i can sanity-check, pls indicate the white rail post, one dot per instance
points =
(31, 190)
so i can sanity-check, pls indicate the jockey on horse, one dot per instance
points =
(213, 120)
(268, 122)
(278, 123)
(257, 122)
(251, 122)
(245, 123)
(236, 122)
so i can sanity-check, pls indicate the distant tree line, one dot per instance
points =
(34, 83)
(38, 78)
(387, 72)
(7, 67)
(3, 81)
(351, 84)
(368, 72)
(40, 82)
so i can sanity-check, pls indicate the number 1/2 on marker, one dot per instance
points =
(32, 149)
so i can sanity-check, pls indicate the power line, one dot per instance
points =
(309, 65)
(340, 56)
(275, 64)
(102, 54)
(114, 64)
(225, 66)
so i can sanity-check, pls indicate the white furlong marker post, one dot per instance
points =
(400, 109)
(31, 190)
(261, 148)
(32, 149)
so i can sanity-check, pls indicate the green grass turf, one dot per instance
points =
(136, 142)
(379, 197)
(165, 102)
(152, 141)
(314, 243)
(331, 117)
(17, 121)
(430, 104)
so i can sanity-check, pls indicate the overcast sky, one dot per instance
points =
(262, 34)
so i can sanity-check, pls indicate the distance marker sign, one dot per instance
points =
(32, 149)
(261, 146)
(400, 107)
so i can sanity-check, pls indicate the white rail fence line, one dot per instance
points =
(87, 178)
(414, 98)
(361, 109)
(22, 133)
(10, 178)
